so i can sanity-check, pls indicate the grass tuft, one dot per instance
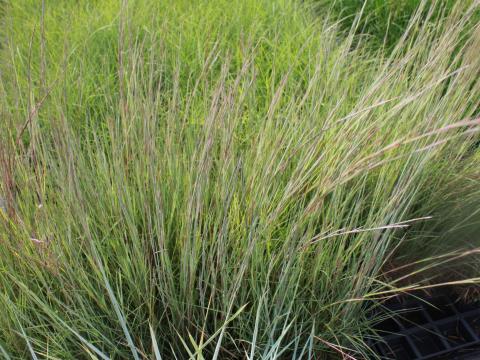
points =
(221, 180)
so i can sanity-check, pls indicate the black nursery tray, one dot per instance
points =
(435, 328)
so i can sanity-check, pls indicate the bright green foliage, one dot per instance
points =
(218, 179)
(384, 22)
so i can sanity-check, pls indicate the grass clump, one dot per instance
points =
(218, 180)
